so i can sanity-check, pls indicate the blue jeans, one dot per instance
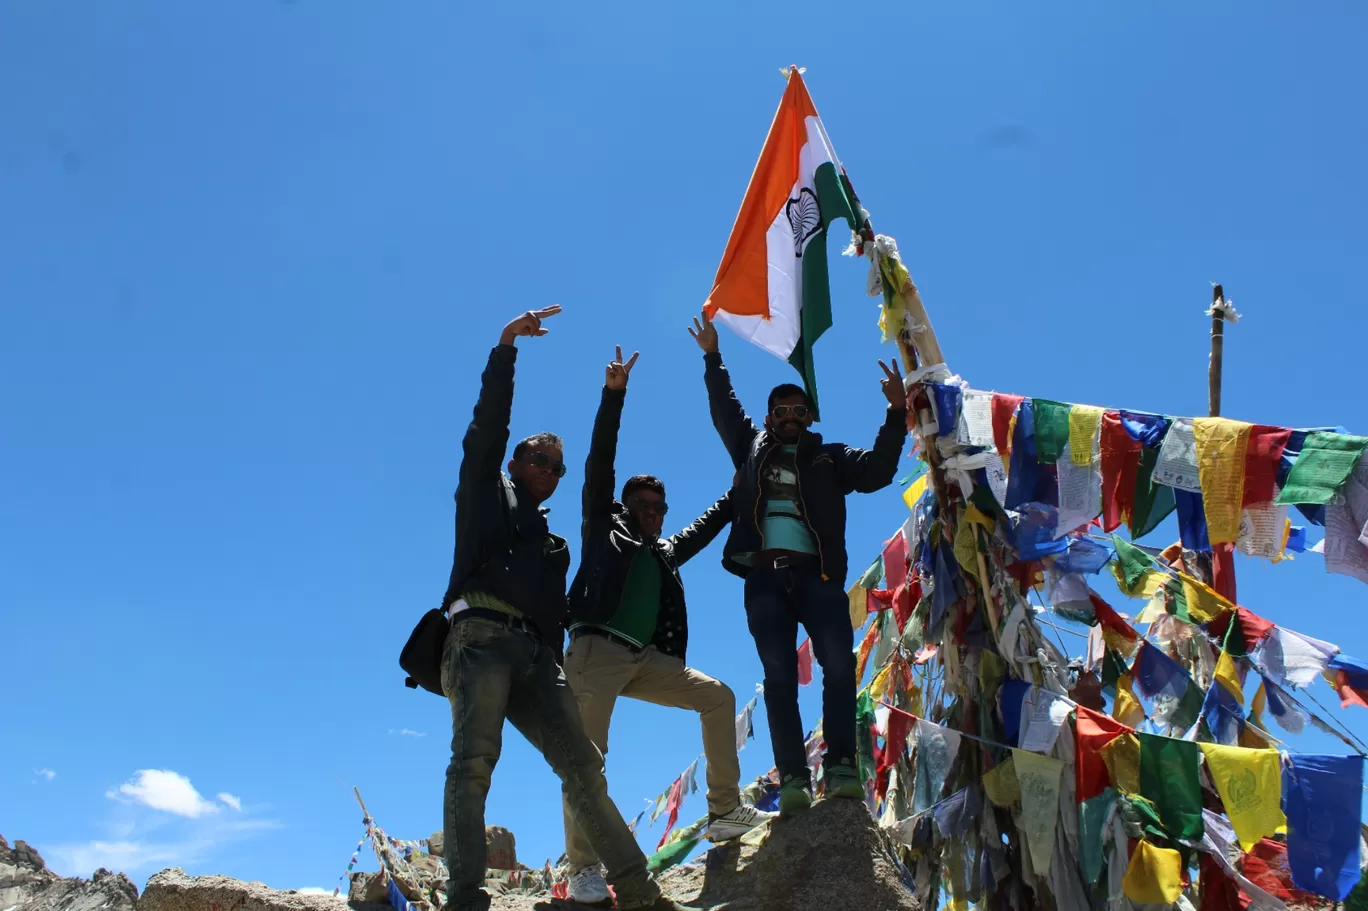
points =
(777, 600)
(491, 672)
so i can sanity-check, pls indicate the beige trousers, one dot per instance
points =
(599, 670)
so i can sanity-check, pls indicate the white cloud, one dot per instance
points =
(45, 773)
(162, 789)
(405, 732)
(231, 800)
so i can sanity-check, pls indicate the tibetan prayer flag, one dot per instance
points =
(1004, 410)
(1325, 462)
(1122, 757)
(913, 494)
(946, 400)
(1127, 708)
(1223, 714)
(1085, 421)
(1039, 778)
(1120, 463)
(1092, 731)
(1051, 429)
(1132, 564)
(858, 600)
(1001, 785)
(1170, 778)
(1155, 875)
(1322, 796)
(805, 663)
(676, 797)
(895, 560)
(1192, 523)
(895, 737)
(1221, 447)
(1177, 698)
(937, 748)
(1262, 456)
(1093, 820)
(1119, 635)
(1152, 502)
(771, 287)
(1239, 632)
(1230, 676)
(1349, 677)
(1288, 715)
(1250, 785)
(1290, 659)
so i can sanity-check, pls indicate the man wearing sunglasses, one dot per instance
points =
(629, 629)
(787, 541)
(507, 603)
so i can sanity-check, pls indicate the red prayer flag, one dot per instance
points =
(1223, 570)
(1110, 619)
(895, 561)
(895, 736)
(905, 601)
(672, 804)
(1004, 406)
(1093, 731)
(1262, 455)
(805, 663)
(1120, 465)
(1348, 695)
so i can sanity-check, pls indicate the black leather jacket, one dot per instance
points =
(610, 540)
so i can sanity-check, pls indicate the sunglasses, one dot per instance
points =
(782, 411)
(659, 507)
(542, 460)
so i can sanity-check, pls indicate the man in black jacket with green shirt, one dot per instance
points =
(788, 542)
(506, 599)
(629, 629)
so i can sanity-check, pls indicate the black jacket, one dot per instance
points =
(503, 545)
(826, 473)
(611, 539)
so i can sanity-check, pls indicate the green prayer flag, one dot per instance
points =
(1153, 502)
(1051, 429)
(864, 738)
(1132, 562)
(1188, 709)
(1170, 777)
(1113, 666)
(872, 575)
(1324, 465)
(681, 843)
(1092, 819)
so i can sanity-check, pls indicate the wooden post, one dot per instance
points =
(1217, 351)
(364, 812)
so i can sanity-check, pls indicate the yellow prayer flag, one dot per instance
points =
(1001, 785)
(1228, 675)
(1250, 785)
(915, 490)
(1204, 604)
(1122, 756)
(965, 548)
(973, 515)
(1084, 423)
(1221, 445)
(1127, 709)
(880, 685)
(858, 596)
(1155, 875)
(1257, 707)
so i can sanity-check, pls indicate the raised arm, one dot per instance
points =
(730, 419)
(690, 542)
(486, 439)
(599, 477)
(868, 470)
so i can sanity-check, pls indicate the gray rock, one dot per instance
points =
(173, 890)
(501, 848)
(26, 884)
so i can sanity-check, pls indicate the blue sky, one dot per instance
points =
(253, 256)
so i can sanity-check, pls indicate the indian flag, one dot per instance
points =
(772, 285)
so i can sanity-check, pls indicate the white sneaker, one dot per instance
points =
(588, 888)
(736, 823)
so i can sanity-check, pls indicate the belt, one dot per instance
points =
(605, 634)
(780, 561)
(508, 620)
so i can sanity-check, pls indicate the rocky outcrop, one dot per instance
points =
(173, 890)
(26, 884)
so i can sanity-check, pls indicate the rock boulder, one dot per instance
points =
(26, 884)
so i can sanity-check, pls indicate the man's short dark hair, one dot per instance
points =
(537, 440)
(643, 482)
(785, 391)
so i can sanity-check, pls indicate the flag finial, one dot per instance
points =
(786, 71)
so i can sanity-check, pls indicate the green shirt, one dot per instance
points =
(639, 608)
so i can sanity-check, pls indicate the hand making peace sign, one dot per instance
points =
(615, 377)
(893, 388)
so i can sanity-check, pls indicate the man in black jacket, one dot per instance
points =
(788, 541)
(507, 603)
(629, 629)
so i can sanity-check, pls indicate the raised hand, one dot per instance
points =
(893, 388)
(528, 325)
(615, 377)
(704, 332)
